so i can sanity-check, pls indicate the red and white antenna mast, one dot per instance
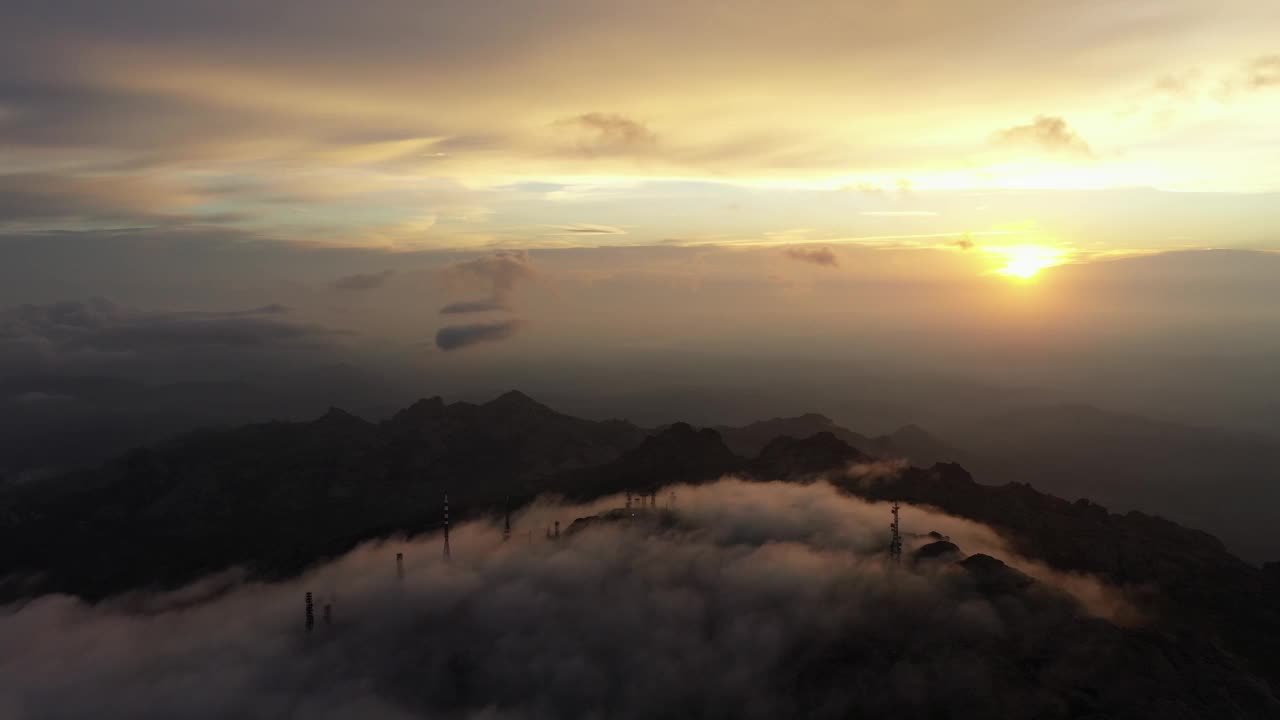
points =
(895, 541)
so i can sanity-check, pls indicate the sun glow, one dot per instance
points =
(1026, 261)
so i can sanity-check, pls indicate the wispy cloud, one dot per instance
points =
(1263, 72)
(823, 257)
(1046, 133)
(599, 133)
(363, 281)
(587, 229)
(474, 306)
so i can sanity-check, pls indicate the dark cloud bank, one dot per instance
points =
(98, 333)
(454, 337)
(747, 600)
(474, 306)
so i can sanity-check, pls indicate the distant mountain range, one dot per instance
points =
(909, 442)
(54, 423)
(1225, 481)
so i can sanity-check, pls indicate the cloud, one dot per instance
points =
(474, 306)
(536, 187)
(71, 331)
(44, 197)
(1263, 72)
(502, 271)
(747, 600)
(260, 94)
(817, 256)
(877, 470)
(101, 324)
(610, 134)
(365, 281)
(455, 337)
(1182, 85)
(1046, 133)
(588, 229)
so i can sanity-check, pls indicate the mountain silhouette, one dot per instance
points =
(1208, 477)
(275, 498)
(910, 442)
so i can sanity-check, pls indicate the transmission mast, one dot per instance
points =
(895, 541)
(506, 523)
(446, 526)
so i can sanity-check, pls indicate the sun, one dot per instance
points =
(1024, 262)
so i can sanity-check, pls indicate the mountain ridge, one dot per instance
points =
(279, 497)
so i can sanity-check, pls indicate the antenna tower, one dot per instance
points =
(895, 541)
(446, 526)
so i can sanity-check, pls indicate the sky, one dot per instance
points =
(498, 185)
(551, 123)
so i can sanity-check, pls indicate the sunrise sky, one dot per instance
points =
(560, 123)
(505, 180)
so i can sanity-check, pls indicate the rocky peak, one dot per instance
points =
(338, 416)
(940, 550)
(993, 576)
(820, 452)
(516, 401)
(426, 407)
(681, 448)
(951, 472)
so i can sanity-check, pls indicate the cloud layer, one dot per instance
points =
(81, 335)
(99, 324)
(742, 603)
(227, 114)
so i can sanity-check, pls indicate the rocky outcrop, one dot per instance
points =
(994, 576)
(788, 457)
(678, 454)
(937, 551)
